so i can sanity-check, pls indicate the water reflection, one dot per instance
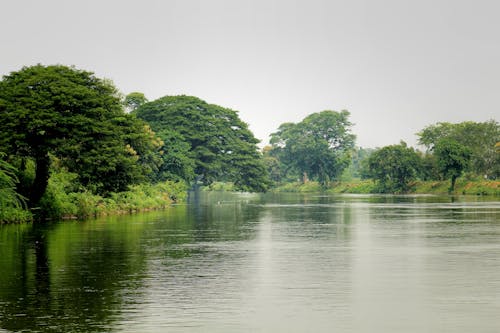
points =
(274, 262)
(66, 277)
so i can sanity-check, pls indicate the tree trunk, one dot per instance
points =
(42, 164)
(305, 179)
(453, 181)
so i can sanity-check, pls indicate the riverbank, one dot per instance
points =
(463, 187)
(59, 204)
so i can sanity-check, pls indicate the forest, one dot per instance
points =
(73, 146)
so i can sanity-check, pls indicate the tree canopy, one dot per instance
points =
(218, 145)
(452, 159)
(393, 167)
(74, 116)
(134, 100)
(479, 138)
(318, 147)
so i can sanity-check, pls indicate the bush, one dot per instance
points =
(66, 198)
(11, 203)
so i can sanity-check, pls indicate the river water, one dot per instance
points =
(260, 263)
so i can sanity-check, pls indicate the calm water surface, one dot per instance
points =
(260, 263)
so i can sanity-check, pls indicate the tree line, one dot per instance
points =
(62, 119)
(57, 119)
(321, 147)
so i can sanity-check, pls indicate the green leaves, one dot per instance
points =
(452, 159)
(134, 100)
(77, 118)
(318, 147)
(205, 141)
(8, 180)
(394, 167)
(479, 138)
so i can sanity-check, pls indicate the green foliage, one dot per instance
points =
(272, 164)
(8, 181)
(76, 118)
(359, 164)
(428, 167)
(479, 187)
(299, 187)
(220, 187)
(134, 100)
(11, 203)
(394, 167)
(318, 147)
(452, 159)
(355, 187)
(479, 138)
(176, 162)
(64, 198)
(207, 138)
(57, 201)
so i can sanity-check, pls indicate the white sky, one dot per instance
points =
(396, 65)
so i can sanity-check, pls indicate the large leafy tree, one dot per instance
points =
(219, 146)
(480, 138)
(176, 162)
(394, 167)
(77, 118)
(452, 159)
(318, 147)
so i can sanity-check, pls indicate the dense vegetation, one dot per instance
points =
(467, 149)
(205, 142)
(318, 148)
(69, 148)
(72, 146)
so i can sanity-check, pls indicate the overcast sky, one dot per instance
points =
(396, 65)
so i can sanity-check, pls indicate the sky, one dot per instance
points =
(397, 66)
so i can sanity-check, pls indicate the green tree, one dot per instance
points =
(359, 163)
(75, 117)
(134, 100)
(177, 165)
(272, 164)
(428, 168)
(219, 144)
(318, 147)
(394, 167)
(479, 138)
(452, 159)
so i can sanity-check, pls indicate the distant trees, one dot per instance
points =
(452, 159)
(452, 149)
(205, 141)
(394, 167)
(479, 137)
(316, 148)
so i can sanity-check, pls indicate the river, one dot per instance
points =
(226, 262)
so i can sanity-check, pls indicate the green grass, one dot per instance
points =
(298, 187)
(357, 187)
(143, 197)
(65, 199)
(463, 187)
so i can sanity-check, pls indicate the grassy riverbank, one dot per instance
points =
(463, 187)
(59, 203)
